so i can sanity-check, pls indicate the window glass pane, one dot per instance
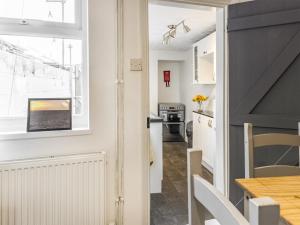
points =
(36, 67)
(46, 10)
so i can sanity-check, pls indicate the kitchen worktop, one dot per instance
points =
(205, 113)
(155, 119)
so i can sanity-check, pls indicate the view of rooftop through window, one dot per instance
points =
(38, 66)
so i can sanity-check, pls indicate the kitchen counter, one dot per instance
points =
(205, 113)
(155, 119)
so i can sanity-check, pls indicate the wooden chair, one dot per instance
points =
(262, 211)
(204, 198)
(272, 139)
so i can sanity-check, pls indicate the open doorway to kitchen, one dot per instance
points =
(187, 103)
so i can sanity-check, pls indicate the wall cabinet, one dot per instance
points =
(204, 60)
(204, 138)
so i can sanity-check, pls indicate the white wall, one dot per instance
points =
(102, 104)
(154, 57)
(171, 93)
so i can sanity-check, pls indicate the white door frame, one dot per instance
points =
(222, 111)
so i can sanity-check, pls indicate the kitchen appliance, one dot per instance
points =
(173, 115)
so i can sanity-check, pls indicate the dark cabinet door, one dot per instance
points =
(264, 79)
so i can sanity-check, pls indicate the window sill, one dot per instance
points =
(44, 134)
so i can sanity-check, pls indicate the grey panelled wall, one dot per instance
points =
(264, 78)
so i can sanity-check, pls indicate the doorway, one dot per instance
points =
(186, 59)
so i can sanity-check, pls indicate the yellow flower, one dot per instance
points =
(200, 98)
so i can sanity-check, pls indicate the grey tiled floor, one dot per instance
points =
(170, 206)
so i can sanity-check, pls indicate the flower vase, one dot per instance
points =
(200, 107)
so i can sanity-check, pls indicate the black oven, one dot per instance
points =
(173, 121)
(173, 117)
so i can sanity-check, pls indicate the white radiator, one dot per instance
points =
(67, 190)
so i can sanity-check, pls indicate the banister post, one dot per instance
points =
(263, 211)
(196, 210)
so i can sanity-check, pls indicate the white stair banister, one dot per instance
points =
(262, 211)
(194, 158)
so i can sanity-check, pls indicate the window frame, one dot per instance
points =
(40, 28)
(39, 24)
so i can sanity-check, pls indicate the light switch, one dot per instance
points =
(136, 65)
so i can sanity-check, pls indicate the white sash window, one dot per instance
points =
(43, 54)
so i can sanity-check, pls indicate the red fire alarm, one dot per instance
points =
(167, 78)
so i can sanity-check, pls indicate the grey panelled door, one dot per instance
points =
(264, 78)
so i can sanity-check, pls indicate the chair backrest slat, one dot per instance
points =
(276, 139)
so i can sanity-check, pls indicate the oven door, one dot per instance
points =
(173, 131)
(173, 117)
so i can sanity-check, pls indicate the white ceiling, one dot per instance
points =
(201, 20)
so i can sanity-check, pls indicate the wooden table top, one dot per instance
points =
(284, 190)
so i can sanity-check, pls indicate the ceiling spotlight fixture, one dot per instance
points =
(172, 32)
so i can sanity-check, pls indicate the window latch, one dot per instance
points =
(23, 22)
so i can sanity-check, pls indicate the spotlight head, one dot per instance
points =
(186, 28)
(166, 40)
